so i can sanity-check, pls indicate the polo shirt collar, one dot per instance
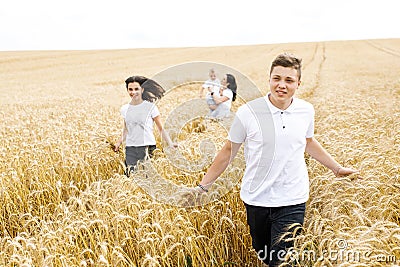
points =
(277, 110)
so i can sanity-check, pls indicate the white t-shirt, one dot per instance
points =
(229, 94)
(139, 122)
(215, 90)
(275, 140)
(211, 83)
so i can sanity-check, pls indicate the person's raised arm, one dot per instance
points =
(201, 91)
(220, 163)
(315, 150)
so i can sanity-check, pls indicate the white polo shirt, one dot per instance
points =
(139, 122)
(275, 140)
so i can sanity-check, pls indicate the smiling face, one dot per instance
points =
(212, 75)
(224, 82)
(283, 83)
(135, 91)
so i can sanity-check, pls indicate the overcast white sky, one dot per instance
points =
(91, 24)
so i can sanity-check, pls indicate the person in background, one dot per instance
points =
(139, 115)
(224, 98)
(211, 86)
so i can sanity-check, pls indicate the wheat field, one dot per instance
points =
(65, 201)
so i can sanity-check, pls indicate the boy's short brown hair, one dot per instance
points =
(288, 61)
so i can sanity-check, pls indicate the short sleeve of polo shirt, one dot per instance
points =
(310, 130)
(237, 133)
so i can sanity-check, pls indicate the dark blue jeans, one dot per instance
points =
(267, 225)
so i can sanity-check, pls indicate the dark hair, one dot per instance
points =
(151, 89)
(232, 84)
(287, 60)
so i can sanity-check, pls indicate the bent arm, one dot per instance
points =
(315, 150)
(220, 163)
(201, 91)
(220, 99)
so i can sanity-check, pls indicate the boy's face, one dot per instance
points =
(135, 91)
(283, 83)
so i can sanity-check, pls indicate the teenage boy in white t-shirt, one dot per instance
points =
(276, 129)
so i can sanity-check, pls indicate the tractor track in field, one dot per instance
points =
(313, 56)
(384, 49)
(310, 90)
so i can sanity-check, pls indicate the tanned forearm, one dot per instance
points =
(220, 163)
(315, 150)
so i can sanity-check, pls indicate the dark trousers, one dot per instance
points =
(135, 153)
(267, 225)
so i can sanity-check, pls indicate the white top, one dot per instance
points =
(139, 122)
(211, 83)
(229, 94)
(215, 90)
(275, 140)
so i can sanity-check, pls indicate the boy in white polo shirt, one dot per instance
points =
(276, 129)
